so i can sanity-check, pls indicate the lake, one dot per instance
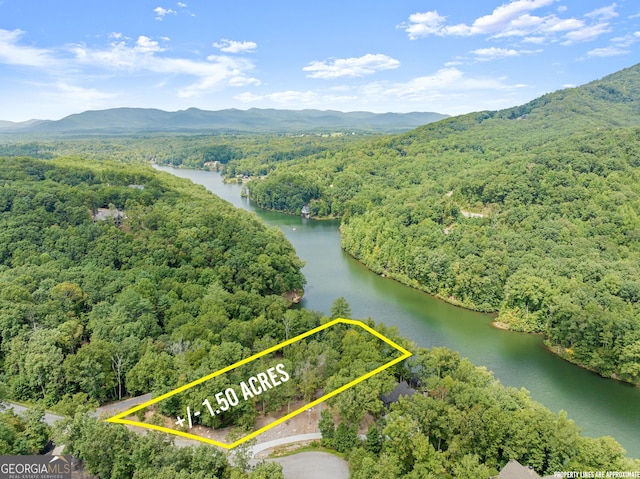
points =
(601, 407)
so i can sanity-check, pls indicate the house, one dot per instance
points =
(305, 211)
(514, 470)
(402, 389)
(102, 214)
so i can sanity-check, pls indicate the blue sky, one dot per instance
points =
(454, 56)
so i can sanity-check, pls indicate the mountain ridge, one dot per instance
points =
(255, 120)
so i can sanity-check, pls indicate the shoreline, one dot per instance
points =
(499, 324)
(495, 323)
(560, 353)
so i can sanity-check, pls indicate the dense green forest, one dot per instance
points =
(186, 150)
(94, 308)
(462, 423)
(172, 284)
(531, 212)
(93, 301)
(118, 280)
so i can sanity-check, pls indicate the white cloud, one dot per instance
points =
(492, 53)
(118, 56)
(294, 99)
(501, 20)
(627, 40)
(445, 83)
(553, 24)
(214, 80)
(212, 74)
(184, 8)
(503, 17)
(81, 64)
(604, 13)
(14, 54)
(351, 67)
(161, 12)
(231, 46)
(448, 90)
(610, 51)
(146, 45)
(424, 24)
(535, 40)
(516, 19)
(617, 47)
(563, 8)
(586, 34)
(444, 80)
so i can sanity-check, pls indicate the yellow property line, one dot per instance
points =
(119, 418)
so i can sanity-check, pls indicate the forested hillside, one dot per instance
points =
(184, 150)
(461, 423)
(117, 280)
(89, 297)
(531, 212)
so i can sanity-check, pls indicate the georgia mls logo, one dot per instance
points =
(35, 467)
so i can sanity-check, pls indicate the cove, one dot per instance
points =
(601, 407)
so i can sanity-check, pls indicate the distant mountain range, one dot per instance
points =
(12, 125)
(119, 121)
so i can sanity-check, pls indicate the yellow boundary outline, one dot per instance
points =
(119, 418)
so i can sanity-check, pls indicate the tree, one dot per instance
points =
(469, 467)
(123, 358)
(340, 309)
(387, 467)
(345, 438)
(154, 371)
(25, 434)
(11, 439)
(209, 460)
(400, 430)
(69, 297)
(105, 448)
(327, 427)
(90, 369)
(243, 453)
(36, 431)
(36, 365)
(308, 382)
(373, 442)
(267, 470)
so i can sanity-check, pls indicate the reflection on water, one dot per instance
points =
(599, 406)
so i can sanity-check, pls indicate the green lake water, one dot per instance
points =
(599, 406)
